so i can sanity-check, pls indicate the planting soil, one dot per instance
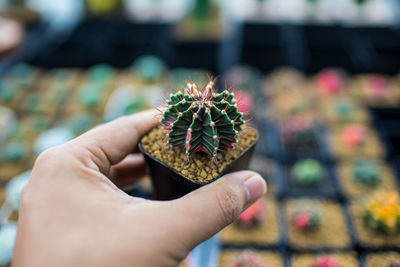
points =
(199, 168)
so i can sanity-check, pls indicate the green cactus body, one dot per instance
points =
(307, 172)
(149, 68)
(366, 173)
(202, 121)
(344, 108)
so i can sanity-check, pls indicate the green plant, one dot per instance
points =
(360, 2)
(202, 9)
(202, 121)
(366, 172)
(344, 108)
(307, 172)
(381, 212)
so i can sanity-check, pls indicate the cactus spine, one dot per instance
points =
(202, 121)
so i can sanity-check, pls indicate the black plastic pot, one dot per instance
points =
(169, 184)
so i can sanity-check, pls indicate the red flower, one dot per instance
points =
(252, 214)
(301, 220)
(326, 261)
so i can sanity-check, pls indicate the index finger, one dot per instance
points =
(109, 143)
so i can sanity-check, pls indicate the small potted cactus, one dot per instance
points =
(316, 224)
(308, 177)
(366, 173)
(381, 213)
(306, 219)
(297, 133)
(258, 225)
(353, 136)
(248, 259)
(376, 220)
(376, 90)
(395, 263)
(362, 176)
(308, 172)
(301, 136)
(330, 82)
(355, 140)
(202, 136)
(252, 216)
(326, 261)
(344, 110)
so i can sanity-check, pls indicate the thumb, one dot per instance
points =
(212, 207)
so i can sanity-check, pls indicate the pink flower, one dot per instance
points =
(326, 261)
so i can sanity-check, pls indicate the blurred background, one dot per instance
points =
(320, 79)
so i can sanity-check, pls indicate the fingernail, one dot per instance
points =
(255, 188)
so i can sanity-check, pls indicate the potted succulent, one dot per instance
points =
(252, 216)
(248, 258)
(253, 258)
(301, 136)
(256, 226)
(202, 136)
(381, 213)
(326, 261)
(307, 218)
(377, 219)
(308, 177)
(316, 224)
(354, 140)
(362, 176)
(331, 259)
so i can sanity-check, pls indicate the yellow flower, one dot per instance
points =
(385, 207)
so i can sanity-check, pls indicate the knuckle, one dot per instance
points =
(228, 200)
(25, 196)
(47, 156)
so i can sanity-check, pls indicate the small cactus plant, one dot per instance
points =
(307, 172)
(381, 212)
(344, 108)
(297, 132)
(252, 216)
(326, 261)
(394, 264)
(248, 259)
(353, 136)
(202, 121)
(306, 220)
(378, 86)
(329, 82)
(366, 173)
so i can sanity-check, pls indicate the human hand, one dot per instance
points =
(73, 214)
